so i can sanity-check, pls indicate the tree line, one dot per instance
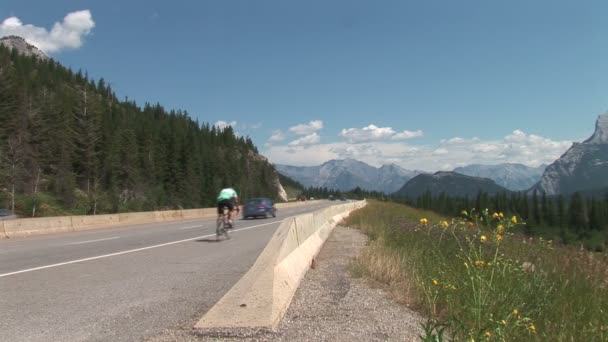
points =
(575, 217)
(69, 146)
(355, 194)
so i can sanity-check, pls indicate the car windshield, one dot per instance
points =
(255, 201)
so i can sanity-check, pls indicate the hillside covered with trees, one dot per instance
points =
(69, 146)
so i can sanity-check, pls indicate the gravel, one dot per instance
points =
(331, 305)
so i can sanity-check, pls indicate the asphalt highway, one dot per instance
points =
(124, 283)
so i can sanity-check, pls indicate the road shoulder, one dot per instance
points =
(331, 305)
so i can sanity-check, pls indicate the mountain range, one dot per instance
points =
(348, 174)
(516, 177)
(582, 168)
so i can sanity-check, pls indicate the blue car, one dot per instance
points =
(259, 207)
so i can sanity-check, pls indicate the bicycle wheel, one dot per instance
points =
(218, 228)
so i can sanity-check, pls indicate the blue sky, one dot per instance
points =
(424, 84)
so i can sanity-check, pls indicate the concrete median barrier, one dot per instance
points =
(32, 226)
(84, 222)
(260, 299)
(169, 215)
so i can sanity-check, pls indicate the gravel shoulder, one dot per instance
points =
(331, 305)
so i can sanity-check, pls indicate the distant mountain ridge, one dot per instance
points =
(22, 46)
(583, 167)
(516, 177)
(450, 183)
(348, 174)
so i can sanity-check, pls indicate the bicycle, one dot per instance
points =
(223, 225)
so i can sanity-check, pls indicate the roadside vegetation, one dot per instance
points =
(577, 219)
(477, 277)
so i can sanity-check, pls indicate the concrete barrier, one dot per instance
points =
(84, 222)
(2, 233)
(259, 300)
(59, 224)
(169, 215)
(32, 226)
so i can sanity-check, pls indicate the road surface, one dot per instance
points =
(123, 283)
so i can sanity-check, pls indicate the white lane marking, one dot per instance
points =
(128, 251)
(89, 241)
(190, 227)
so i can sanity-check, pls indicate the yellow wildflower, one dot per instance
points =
(489, 264)
(532, 328)
(483, 238)
(500, 229)
(466, 265)
(479, 263)
(488, 334)
(495, 215)
(499, 237)
(501, 215)
(435, 282)
(464, 213)
(424, 221)
(443, 224)
(514, 219)
(503, 322)
(515, 312)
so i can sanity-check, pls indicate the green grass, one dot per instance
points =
(482, 282)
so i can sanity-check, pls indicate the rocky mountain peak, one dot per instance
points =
(22, 46)
(600, 136)
(582, 168)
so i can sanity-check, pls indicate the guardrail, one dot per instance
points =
(260, 299)
(61, 224)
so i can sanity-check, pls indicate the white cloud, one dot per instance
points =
(408, 135)
(369, 133)
(310, 139)
(223, 124)
(306, 129)
(276, 136)
(69, 33)
(455, 140)
(375, 133)
(517, 147)
(440, 152)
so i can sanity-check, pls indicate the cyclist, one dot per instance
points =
(227, 198)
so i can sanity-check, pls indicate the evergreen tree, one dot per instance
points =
(578, 220)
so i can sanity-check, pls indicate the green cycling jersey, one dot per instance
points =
(227, 194)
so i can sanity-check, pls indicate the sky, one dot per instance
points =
(427, 85)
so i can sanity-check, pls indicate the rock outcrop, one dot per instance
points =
(583, 168)
(22, 46)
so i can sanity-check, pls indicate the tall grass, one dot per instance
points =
(476, 278)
